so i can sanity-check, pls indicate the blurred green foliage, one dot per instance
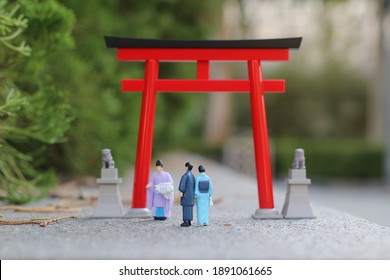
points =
(326, 102)
(324, 112)
(105, 117)
(59, 82)
(331, 158)
(34, 113)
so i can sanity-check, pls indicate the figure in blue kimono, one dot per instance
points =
(187, 195)
(203, 192)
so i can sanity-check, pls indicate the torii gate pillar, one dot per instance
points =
(261, 145)
(253, 51)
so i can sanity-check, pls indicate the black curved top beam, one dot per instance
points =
(282, 43)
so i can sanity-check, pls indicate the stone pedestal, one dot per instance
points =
(109, 203)
(140, 213)
(263, 213)
(297, 204)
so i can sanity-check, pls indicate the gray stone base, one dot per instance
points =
(297, 202)
(267, 214)
(143, 213)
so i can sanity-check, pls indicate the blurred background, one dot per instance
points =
(60, 98)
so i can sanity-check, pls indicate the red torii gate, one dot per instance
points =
(253, 51)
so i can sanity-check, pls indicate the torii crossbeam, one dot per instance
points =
(153, 51)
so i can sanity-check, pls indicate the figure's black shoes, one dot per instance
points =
(186, 224)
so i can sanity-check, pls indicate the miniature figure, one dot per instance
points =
(107, 160)
(299, 159)
(187, 196)
(160, 193)
(203, 192)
